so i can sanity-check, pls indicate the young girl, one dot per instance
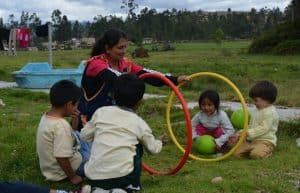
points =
(211, 120)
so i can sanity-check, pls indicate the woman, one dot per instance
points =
(106, 63)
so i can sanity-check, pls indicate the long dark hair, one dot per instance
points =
(211, 95)
(110, 38)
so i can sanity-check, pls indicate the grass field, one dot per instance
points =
(188, 58)
(280, 173)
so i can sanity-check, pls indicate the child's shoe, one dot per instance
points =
(117, 190)
(217, 155)
(84, 189)
(99, 190)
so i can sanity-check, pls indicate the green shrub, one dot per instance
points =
(287, 47)
(277, 40)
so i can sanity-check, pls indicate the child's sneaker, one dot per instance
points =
(117, 190)
(84, 189)
(217, 155)
(99, 190)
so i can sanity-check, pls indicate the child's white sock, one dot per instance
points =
(61, 191)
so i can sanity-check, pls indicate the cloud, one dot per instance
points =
(83, 10)
(73, 9)
(215, 5)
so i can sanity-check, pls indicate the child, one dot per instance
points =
(18, 187)
(211, 120)
(57, 144)
(118, 136)
(261, 136)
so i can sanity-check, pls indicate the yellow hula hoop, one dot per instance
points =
(244, 107)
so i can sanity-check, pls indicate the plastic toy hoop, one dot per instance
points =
(241, 98)
(187, 150)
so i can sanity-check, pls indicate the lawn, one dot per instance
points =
(20, 116)
(229, 60)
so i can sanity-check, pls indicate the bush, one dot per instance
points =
(167, 47)
(140, 52)
(277, 39)
(287, 47)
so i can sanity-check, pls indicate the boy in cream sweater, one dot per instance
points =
(261, 136)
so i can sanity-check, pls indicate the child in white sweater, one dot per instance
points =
(119, 135)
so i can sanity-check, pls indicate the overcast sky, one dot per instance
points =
(86, 10)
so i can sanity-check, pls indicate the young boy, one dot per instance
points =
(261, 136)
(57, 144)
(118, 136)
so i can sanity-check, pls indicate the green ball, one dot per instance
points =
(237, 119)
(205, 144)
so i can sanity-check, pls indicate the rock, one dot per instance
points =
(217, 179)
(2, 103)
(298, 142)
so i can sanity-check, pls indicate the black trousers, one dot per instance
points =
(21, 187)
(123, 182)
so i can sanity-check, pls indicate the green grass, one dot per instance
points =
(21, 115)
(229, 60)
(242, 69)
(18, 159)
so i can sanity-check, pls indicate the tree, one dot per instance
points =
(292, 11)
(12, 22)
(24, 19)
(34, 21)
(66, 29)
(273, 17)
(99, 25)
(56, 17)
(218, 36)
(129, 6)
(295, 10)
(77, 30)
(62, 27)
(86, 28)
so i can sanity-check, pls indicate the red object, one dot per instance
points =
(98, 63)
(188, 123)
(216, 133)
(23, 35)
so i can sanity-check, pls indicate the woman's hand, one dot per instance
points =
(183, 79)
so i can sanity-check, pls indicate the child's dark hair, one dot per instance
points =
(211, 95)
(110, 38)
(265, 90)
(64, 91)
(128, 90)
